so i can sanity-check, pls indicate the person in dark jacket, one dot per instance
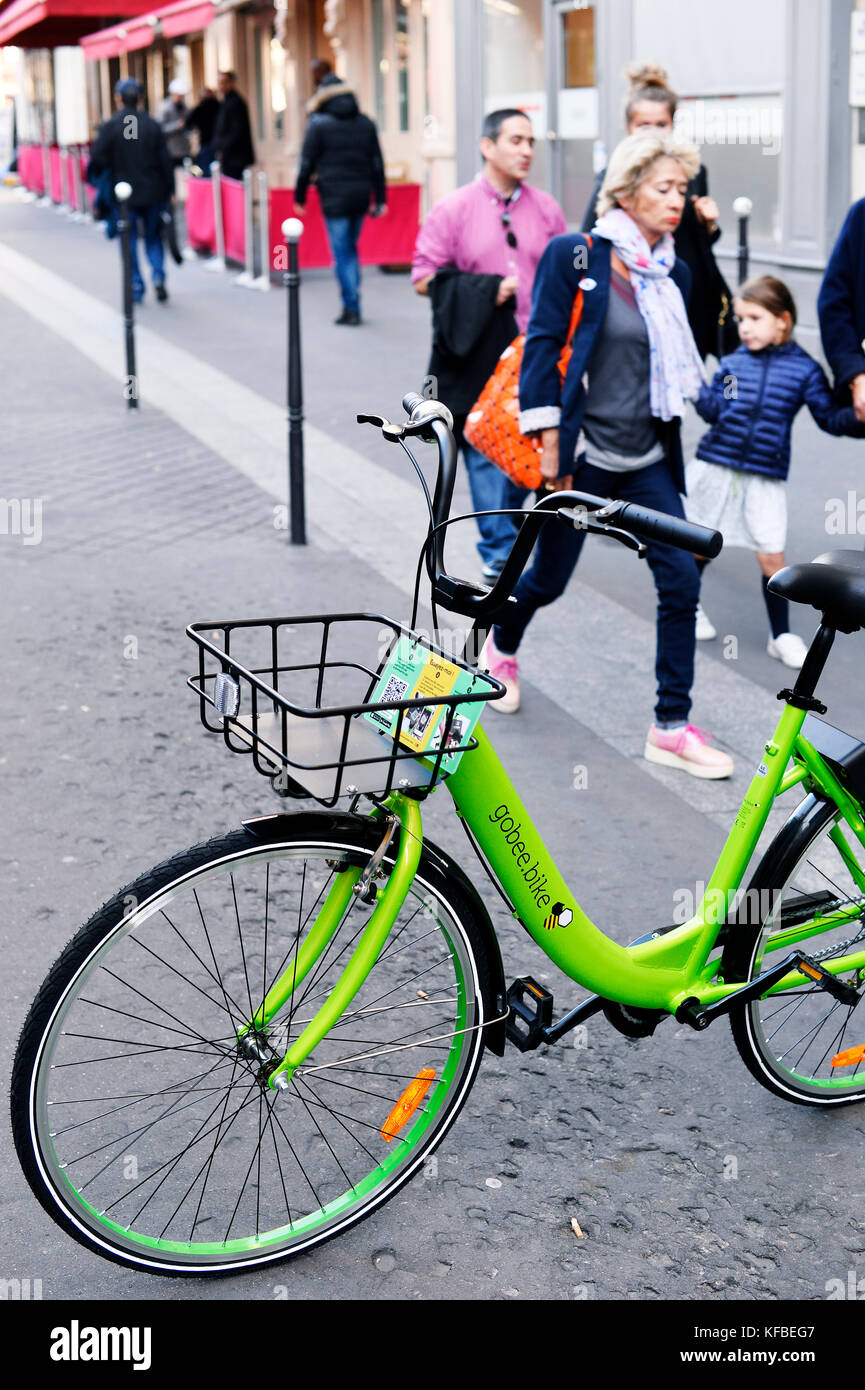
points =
(232, 137)
(612, 427)
(202, 118)
(652, 105)
(841, 307)
(131, 147)
(736, 483)
(341, 150)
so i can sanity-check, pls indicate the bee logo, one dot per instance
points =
(560, 916)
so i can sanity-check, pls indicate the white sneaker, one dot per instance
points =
(789, 649)
(704, 631)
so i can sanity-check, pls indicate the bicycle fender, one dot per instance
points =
(272, 829)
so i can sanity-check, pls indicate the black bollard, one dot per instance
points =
(292, 230)
(742, 208)
(123, 192)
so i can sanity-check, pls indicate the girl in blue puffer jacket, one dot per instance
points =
(736, 483)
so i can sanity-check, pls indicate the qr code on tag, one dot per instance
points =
(394, 690)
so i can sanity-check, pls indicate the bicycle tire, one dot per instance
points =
(787, 1040)
(139, 916)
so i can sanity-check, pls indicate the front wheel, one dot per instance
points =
(148, 1132)
(808, 894)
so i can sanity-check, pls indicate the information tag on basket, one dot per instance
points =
(412, 672)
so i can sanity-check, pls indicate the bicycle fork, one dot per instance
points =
(351, 881)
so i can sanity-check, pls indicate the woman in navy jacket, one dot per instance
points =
(618, 437)
(841, 307)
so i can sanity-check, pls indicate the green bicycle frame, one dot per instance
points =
(661, 973)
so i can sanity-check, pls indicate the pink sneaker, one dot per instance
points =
(687, 749)
(505, 669)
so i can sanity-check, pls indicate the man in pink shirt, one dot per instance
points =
(492, 232)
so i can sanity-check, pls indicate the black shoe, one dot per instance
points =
(347, 317)
(161, 293)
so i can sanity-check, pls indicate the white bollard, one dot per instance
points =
(246, 278)
(217, 262)
(45, 200)
(263, 280)
(65, 204)
(75, 212)
(188, 253)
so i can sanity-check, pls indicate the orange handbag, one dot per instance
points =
(493, 423)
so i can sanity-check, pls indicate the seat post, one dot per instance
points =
(802, 693)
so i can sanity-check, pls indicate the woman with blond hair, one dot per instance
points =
(618, 435)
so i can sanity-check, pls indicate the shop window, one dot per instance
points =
(402, 58)
(740, 141)
(258, 48)
(578, 33)
(380, 62)
(277, 88)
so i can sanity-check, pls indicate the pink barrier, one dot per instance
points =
(56, 190)
(233, 220)
(200, 230)
(30, 167)
(387, 240)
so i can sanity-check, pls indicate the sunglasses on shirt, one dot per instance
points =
(506, 223)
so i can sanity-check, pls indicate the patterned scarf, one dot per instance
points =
(675, 366)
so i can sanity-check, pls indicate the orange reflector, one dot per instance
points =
(850, 1057)
(810, 971)
(407, 1104)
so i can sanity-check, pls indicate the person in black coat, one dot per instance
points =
(203, 118)
(232, 138)
(652, 105)
(341, 150)
(131, 148)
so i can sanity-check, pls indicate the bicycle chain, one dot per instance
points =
(840, 946)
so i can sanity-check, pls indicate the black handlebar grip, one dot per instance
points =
(672, 530)
(410, 401)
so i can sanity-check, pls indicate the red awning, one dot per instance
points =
(50, 23)
(183, 17)
(120, 38)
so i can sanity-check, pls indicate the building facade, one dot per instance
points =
(765, 92)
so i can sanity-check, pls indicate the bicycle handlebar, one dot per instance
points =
(671, 530)
(617, 519)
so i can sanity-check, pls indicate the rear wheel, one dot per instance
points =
(150, 1134)
(808, 895)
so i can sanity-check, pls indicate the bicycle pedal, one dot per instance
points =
(832, 985)
(531, 1013)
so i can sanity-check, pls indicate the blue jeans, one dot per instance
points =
(343, 233)
(151, 219)
(491, 488)
(674, 571)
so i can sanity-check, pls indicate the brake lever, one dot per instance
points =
(396, 433)
(582, 521)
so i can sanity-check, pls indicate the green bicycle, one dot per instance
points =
(257, 1043)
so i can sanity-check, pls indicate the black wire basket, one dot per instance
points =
(304, 721)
